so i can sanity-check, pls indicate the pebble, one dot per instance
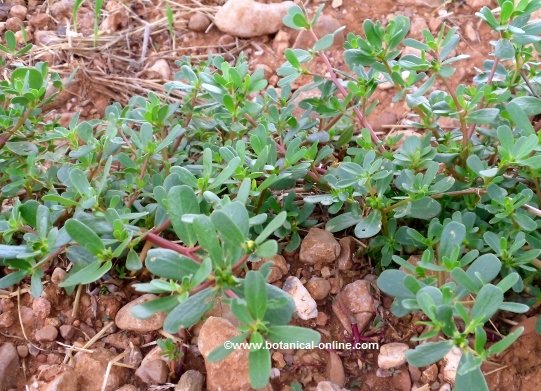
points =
(134, 357)
(58, 274)
(355, 300)
(67, 331)
(318, 288)
(190, 380)
(226, 40)
(328, 386)
(430, 374)
(127, 387)
(159, 69)
(322, 319)
(18, 11)
(45, 38)
(126, 321)
(401, 381)
(305, 305)
(65, 381)
(319, 246)
(22, 351)
(14, 24)
(47, 334)
(153, 368)
(470, 33)
(41, 307)
(344, 261)
(451, 361)
(39, 22)
(478, 4)
(278, 359)
(231, 373)
(278, 269)
(248, 18)
(392, 355)
(415, 373)
(7, 319)
(335, 370)
(199, 22)
(92, 366)
(9, 366)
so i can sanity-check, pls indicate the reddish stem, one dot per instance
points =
(343, 91)
(356, 334)
(159, 241)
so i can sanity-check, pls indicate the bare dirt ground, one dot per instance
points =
(135, 54)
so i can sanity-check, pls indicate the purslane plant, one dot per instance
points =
(193, 188)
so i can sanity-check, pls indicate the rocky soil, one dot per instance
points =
(56, 343)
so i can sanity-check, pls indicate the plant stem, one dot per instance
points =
(343, 91)
(159, 241)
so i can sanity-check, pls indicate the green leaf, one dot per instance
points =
(256, 294)
(341, 222)
(519, 117)
(170, 264)
(505, 342)
(222, 352)
(504, 49)
(462, 278)
(133, 262)
(84, 236)
(392, 283)
(452, 236)
(295, 18)
(484, 269)
(79, 180)
(189, 312)
(182, 200)
(369, 226)
(90, 273)
(12, 279)
(206, 236)
(487, 303)
(428, 353)
(149, 308)
(259, 363)
(529, 104)
(22, 148)
(226, 173)
(267, 249)
(483, 116)
(11, 252)
(227, 227)
(276, 223)
(293, 334)
(472, 378)
(324, 42)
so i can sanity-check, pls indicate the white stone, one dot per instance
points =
(305, 305)
(392, 355)
(248, 18)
